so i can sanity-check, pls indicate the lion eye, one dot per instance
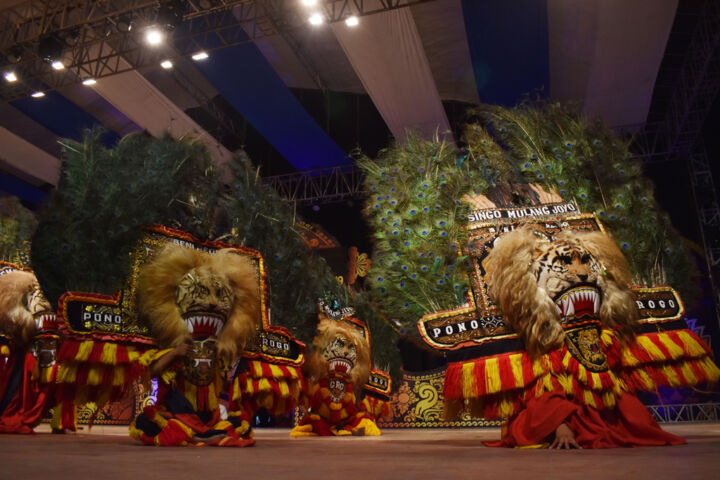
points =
(566, 259)
(204, 290)
(585, 258)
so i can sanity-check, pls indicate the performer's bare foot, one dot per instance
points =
(564, 438)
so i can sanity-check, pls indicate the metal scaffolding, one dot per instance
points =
(96, 39)
(318, 186)
(692, 412)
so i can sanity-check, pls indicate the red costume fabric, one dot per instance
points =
(588, 384)
(628, 424)
(188, 414)
(330, 415)
(24, 399)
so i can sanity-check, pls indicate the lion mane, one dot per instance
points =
(157, 289)
(529, 309)
(317, 367)
(16, 320)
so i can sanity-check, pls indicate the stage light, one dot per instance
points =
(89, 81)
(11, 77)
(154, 36)
(200, 56)
(309, 3)
(352, 21)
(316, 19)
(38, 94)
(58, 65)
(316, 208)
(166, 64)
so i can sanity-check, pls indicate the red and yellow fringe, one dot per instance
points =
(495, 386)
(265, 385)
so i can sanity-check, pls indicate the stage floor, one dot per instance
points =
(107, 453)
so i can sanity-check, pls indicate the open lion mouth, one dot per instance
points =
(44, 319)
(203, 324)
(340, 365)
(579, 301)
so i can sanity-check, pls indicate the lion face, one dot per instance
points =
(569, 274)
(204, 299)
(340, 354)
(24, 310)
(340, 350)
(542, 283)
(185, 294)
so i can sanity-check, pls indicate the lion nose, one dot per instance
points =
(583, 278)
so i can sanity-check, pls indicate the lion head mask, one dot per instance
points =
(24, 310)
(185, 294)
(541, 282)
(340, 349)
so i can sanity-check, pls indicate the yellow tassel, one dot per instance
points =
(565, 382)
(118, 376)
(84, 351)
(710, 369)
(539, 366)
(566, 360)
(293, 372)
(688, 374)
(607, 337)
(676, 351)
(284, 389)
(628, 359)
(505, 408)
(469, 384)
(222, 425)
(67, 373)
(582, 374)
(609, 399)
(188, 431)
(671, 376)
(547, 383)
(691, 346)
(276, 371)
(237, 392)
(492, 375)
(589, 399)
(109, 355)
(595, 382)
(647, 381)
(94, 376)
(652, 349)
(517, 369)
(4, 351)
(263, 385)
(168, 376)
(256, 369)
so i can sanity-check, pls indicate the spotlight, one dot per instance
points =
(154, 36)
(316, 19)
(11, 77)
(38, 94)
(352, 21)
(200, 56)
(309, 3)
(316, 208)
(89, 81)
(166, 64)
(58, 65)
(124, 23)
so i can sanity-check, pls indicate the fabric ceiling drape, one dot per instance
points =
(388, 56)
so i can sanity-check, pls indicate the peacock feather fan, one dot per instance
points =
(17, 225)
(104, 199)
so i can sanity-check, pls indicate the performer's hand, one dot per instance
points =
(182, 350)
(564, 438)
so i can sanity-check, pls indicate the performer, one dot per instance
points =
(338, 367)
(567, 297)
(28, 352)
(200, 308)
